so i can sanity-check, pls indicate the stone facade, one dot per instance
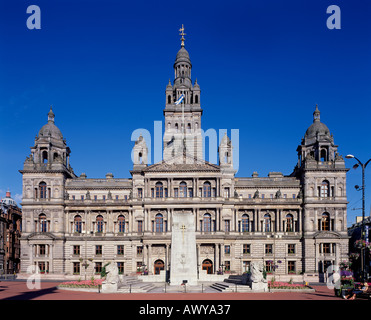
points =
(294, 224)
(10, 234)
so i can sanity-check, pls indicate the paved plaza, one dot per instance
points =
(17, 290)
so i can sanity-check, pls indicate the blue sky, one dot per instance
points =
(262, 67)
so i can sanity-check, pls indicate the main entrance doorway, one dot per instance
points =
(208, 266)
(159, 265)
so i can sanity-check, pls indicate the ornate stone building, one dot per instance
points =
(294, 223)
(10, 234)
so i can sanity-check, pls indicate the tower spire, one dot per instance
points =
(51, 115)
(181, 30)
(316, 114)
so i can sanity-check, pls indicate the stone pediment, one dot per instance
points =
(41, 236)
(183, 163)
(326, 235)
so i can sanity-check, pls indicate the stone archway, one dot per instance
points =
(159, 265)
(208, 266)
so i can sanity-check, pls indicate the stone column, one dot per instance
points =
(216, 261)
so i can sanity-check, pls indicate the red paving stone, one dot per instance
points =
(16, 290)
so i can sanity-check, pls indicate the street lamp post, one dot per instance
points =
(363, 253)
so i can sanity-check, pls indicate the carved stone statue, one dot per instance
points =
(257, 269)
(110, 284)
(257, 281)
(256, 194)
(278, 194)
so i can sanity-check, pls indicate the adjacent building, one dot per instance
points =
(10, 234)
(295, 223)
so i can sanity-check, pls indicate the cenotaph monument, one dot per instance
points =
(183, 249)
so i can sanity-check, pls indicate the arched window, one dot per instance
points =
(267, 223)
(42, 190)
(245, 223)
(159, 221)
(323, 155)
(183, 190)
(121, 223)
(77, 221)
(176, 127)
(140, 156)
(207, 189)
(196, 98)
(42, 223)
(226, 158)
(44, 156)
(325, 222)
(207, 222)
(100, 223)
(325, 189)
(169, 99)
(289, 223)
(159, 190)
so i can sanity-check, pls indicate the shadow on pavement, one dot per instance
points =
(32, 294)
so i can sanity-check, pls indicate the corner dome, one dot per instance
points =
(50, 129)
(317, 127)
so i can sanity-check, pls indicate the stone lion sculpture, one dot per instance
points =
(112, 276)
(257, 269)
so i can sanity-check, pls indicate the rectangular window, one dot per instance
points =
(139, 250)
(76, 250)
(246, 266)
(82, 198)
(291, 248)
(104, 198)
(291, 266)
(42, 266)
(73, 197)
(125, 197)
(95, 198)
(326, 248)
(120, 249)
(98, 250)
(227, 224)
(98, 267)
(263, 196)
(166, 193)
(176, 192)
(120, 266)
(249, 195)
(76, 268)
(190, 191)
(268, 249)
(284, 195)
(227, 249)
(246, 248)
(294, 196)
(140, 226)
(227, 265)
(117, 197)
(42, 249)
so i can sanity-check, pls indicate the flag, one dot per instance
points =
(180, 99)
